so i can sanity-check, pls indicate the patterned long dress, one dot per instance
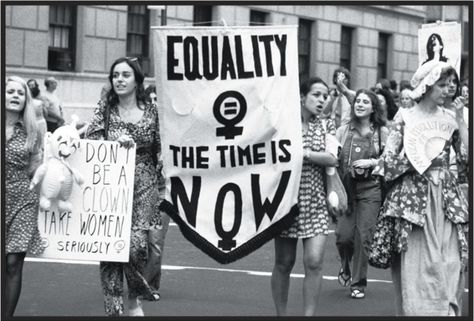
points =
(431, 219)
(21, 205)
(313, 217)
(145, 133)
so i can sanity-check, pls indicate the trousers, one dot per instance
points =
(353, 231)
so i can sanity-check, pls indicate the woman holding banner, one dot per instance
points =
(311, 224)
(425, 204)
(22, 156)
(126, 116)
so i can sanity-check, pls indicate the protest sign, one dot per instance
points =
(425, 140)
(230, 132)
(440, 41)
(98, 227)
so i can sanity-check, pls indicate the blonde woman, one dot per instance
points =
(22, 157)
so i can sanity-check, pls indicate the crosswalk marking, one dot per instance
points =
(178, 268)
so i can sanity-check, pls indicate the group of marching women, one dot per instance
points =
(398, 215)
(359, 134)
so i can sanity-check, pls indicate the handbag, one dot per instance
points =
(381, 247)
(336, 196)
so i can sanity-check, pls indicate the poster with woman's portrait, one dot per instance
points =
(440, 41)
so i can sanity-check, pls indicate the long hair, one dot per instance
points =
(430, 46)
(112, 97)
(450, 72)
(392, 107)
(376, 118)
(34, 139)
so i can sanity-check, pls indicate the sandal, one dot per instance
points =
(357, 294)
(155, 296)
(343, 279)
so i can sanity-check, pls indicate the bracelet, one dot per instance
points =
(306, 153)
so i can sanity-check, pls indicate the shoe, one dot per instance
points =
(155, 296)
(357, 294)
(135, 307)
(343, 279)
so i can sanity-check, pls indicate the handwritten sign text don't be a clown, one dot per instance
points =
(98, 227)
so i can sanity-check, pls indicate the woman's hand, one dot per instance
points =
(457, 106)
(363, 163)
(126, 141)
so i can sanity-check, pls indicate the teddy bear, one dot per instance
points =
(54, 176)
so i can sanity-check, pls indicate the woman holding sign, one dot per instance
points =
(427, 209)
(22, 157)
(127, 116)
(311, 224)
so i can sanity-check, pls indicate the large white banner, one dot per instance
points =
(230, 132)
(98, 227)
(440, 41)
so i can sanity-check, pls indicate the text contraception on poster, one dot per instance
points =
(98, 227)
(230, 132)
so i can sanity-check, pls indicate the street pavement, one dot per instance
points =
(193, 284)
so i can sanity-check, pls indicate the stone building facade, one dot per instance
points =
(78, 43)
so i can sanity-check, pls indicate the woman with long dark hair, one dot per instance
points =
(128, 117)
(434, 48)
(362, 140)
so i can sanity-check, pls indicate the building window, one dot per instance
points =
(304, 46)
(382, 56)
(202, 16)
(258, 18)
(346, 45)
(62, 27)
(138, 25)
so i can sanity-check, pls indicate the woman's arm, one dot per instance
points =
(323, 159)
(36, 159)
(458, 104)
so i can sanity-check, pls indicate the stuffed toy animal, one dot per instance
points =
(55, 177)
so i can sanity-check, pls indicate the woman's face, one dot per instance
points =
(436, 45)
(31, 84)
(15, 97)
(439, 91)
(452, 86)
(363, 106)
(316, 98)
(405, 99)
(123, 80)
(153, 97)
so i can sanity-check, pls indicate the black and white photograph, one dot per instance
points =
(164, 159)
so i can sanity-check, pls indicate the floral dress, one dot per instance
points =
(431, 219)
(21, 204)
(313, 217)
(145, 133)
